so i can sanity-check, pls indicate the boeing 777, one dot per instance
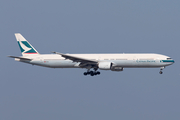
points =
(92, 62)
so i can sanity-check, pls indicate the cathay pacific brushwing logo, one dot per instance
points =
(25, 47)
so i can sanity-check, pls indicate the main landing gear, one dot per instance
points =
(161, 70)
(92, 73)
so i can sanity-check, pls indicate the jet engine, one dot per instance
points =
(109, 66)
(105, 65)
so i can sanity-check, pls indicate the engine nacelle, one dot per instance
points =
(109, 66)
(115, 68)
(105, 65)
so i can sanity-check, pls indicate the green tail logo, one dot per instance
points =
(26, 48)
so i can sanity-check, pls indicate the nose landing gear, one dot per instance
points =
(161, 70)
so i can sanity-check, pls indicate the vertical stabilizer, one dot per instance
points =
(25, 47)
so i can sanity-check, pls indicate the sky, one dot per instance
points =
(90, 26)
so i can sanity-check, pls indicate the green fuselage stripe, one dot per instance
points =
(168, 61)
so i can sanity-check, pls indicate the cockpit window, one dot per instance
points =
(169, 58)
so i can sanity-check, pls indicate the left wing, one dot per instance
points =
(83, 61)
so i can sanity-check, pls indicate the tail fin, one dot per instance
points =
(25, 47)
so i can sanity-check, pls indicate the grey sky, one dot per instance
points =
(94, 26)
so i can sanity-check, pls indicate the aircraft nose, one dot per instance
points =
(171, 61)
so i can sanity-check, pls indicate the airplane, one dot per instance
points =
(113, 62)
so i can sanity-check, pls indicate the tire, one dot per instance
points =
(98, 73)
(92, 74)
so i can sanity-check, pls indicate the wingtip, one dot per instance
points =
(10, 56)
(53, 52)
(17, 33)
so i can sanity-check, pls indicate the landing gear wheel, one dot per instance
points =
(92, 74)
(160, 72)
(98, 73)
(85, 73)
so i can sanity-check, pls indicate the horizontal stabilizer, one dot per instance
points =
(21, 58)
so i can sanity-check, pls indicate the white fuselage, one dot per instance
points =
(119, 60)
(113, 62)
